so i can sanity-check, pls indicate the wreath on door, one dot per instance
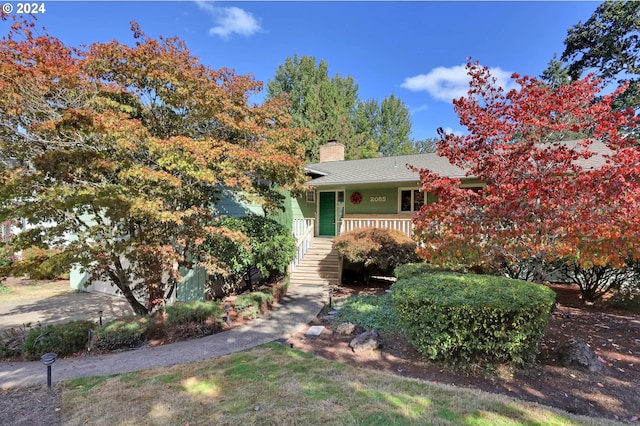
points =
(356, 198)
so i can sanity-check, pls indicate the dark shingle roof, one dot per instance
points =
(394, 169)
(382, 169)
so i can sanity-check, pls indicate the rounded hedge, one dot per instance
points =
(473, 318)
(62, 339)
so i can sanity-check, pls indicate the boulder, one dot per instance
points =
(577, 352)
(345, 329)
(367, 341)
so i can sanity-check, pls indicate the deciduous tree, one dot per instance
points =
(122, 153)
(543, 201)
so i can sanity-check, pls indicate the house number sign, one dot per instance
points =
(382, 199)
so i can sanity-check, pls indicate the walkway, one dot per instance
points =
(301, 304)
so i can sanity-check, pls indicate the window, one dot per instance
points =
(311, 196)
(411, 200)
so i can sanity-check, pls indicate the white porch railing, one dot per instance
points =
(403, 224)
(303, 230)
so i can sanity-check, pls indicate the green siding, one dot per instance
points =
(193, 285)
(308, 210)
(387, 201)
(284, 216)
(231, 204)
(77, 278)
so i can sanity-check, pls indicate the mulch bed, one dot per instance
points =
(613, 335)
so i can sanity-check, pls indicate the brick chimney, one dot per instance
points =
(331, 151)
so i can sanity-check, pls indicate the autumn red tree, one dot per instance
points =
(545, 200)
(123, 152)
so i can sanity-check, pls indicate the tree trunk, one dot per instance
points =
(538, 268)
(119, 279)
(138, 308)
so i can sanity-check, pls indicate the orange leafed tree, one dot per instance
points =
(561, 181)
(123, 152)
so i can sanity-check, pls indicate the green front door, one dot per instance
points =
(327, 210)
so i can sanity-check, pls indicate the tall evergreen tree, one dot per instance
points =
(330, 108)
(320, 103)
(556, 74)
(609, 44)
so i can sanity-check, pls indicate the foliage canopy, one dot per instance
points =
(545, 199)
(123, 151)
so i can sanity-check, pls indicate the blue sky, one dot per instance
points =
(415, 50)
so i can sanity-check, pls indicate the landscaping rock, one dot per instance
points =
(367, 341)
(315, 330)
(345, 329)
(577, 352)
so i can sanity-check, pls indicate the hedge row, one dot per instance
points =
(472, 318)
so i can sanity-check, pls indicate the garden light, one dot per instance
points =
(48, 360)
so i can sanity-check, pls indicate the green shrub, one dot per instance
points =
(64, 339)
(192, 312)
(473, 318)
(252, 304)
(126, 332)
(270, 246)
(6, 257)
(627, 298)
(412, 269)
(376, 250)
(369, 311)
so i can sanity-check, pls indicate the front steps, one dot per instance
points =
(321, 264)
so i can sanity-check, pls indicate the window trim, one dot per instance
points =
(310, 196)
(412, 189)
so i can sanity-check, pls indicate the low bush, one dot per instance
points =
(251, 305)
(627, 298)
(269, 246)
(64, 339)
(473, 318)
(126, 332)
(6, 257)
(192, 312)
(412, 269)
(376, 250)
(40, 264)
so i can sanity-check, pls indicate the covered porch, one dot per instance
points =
(397, 222)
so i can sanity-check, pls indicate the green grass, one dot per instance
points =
(369, 311)
(275, 385)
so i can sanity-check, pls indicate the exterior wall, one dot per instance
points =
(374, 201)
(193, 286)
(307, 209)
(232, 205)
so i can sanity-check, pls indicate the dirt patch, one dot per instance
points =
(20, 289)
(613, 335)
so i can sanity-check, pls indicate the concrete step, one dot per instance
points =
(329, 275)
(308, 270)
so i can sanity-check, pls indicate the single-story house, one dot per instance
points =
(379, 192)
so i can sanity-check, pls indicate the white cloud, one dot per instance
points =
(418, 109)
(449, 130)
(446, 84)
(230, 20)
